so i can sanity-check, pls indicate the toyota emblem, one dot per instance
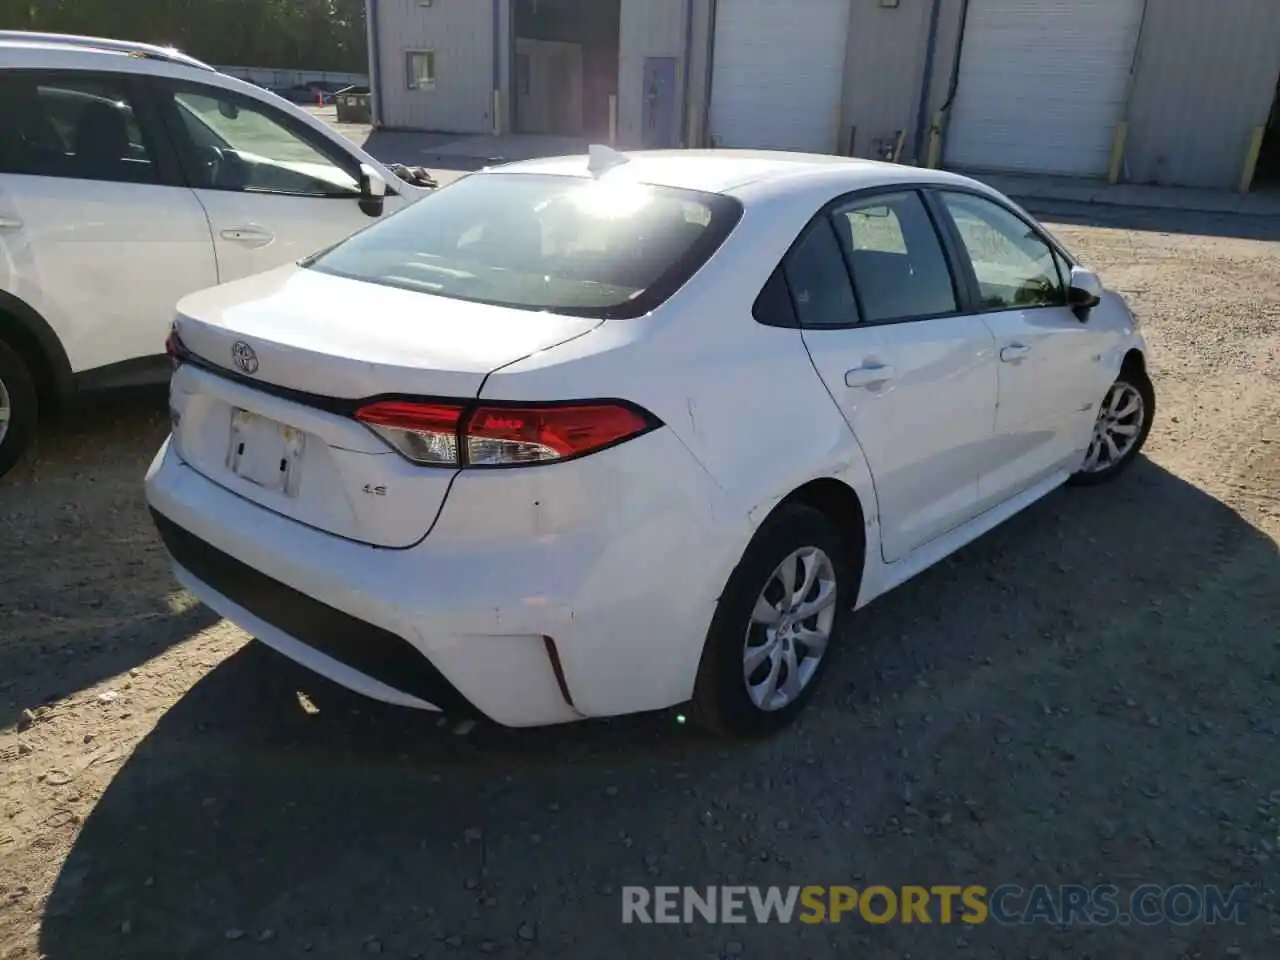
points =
(244, 357)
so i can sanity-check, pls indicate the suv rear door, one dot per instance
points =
(98, 233)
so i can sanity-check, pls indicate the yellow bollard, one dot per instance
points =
(1251, 158)
(1117, 151)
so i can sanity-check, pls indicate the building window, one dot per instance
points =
(420, 69)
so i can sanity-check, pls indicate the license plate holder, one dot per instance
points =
(265, 452)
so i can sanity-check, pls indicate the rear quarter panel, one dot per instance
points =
(743, 398)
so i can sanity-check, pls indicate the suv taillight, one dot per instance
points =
(496, 435)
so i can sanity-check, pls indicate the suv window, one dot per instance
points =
(603, 248)
(819, 279)
(54, 125)
(231, 143)
(1014, 265)
(899, 269)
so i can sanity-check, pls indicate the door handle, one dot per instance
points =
(868, 375)
(249, 236)
(1014, 352)
(10, 223)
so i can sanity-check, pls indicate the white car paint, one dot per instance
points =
(620, 556)
(103, 263)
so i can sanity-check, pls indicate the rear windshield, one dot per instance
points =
(598, 248)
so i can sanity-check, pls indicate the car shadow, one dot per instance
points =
(268, 804)
(85, 588)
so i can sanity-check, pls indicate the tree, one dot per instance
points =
(286, 34)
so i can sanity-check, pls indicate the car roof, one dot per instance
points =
(732, 171)
(23, 48)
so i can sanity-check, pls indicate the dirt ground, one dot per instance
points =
(1088, 694)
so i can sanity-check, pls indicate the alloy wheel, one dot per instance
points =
(1117, 429)
(790, 629)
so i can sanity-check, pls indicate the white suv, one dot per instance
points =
(130, 176)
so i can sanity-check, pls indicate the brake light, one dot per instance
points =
(445, 434)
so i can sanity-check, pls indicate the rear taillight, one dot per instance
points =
(458, 435)
(423, 432)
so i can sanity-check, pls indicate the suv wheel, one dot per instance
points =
(18, 408)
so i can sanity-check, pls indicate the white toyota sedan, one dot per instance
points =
(581, 437)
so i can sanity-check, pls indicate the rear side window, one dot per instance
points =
(819, 281)
(85, 128)
(899, 269)
(606, 248)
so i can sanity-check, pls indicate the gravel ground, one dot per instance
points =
(1087, 694)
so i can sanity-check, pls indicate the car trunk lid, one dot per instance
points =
(279, 365)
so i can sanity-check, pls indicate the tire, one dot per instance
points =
(1134, 382)
(722, 703)
(18, 397)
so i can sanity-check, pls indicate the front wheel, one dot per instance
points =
(768, 645)
(1119, 433)
(18, 413)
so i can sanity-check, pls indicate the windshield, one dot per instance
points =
(609, 247)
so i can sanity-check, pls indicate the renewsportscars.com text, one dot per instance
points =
(1008, 904)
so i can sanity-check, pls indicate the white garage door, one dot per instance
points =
(779, 72)
(1042, 84)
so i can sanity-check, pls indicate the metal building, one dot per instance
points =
(1164, 91)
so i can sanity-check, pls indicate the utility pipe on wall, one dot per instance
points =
(375, 63)
(686, 115)
(926, 82)
(497, 67)
(1120, 139)
(711, 69)
(944, 112)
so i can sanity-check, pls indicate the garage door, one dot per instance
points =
(1042, 84)
(778, 74)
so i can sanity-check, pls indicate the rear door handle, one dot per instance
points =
(10, 223)
(1014, 352)
(249, 236)
(868, 375)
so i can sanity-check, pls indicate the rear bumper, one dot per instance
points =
(240, 593)
(526, 630)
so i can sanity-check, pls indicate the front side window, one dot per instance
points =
(609, 248)
(233, 144)
(899, 269)
(420, 69)
(79, 127)
(1015, 267)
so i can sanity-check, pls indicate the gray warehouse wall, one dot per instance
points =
(461, 34)
(883, 70)
(1206, 76)
(650, 28)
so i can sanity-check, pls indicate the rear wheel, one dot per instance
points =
(18, 408)
(1119, 433)
(769, 642)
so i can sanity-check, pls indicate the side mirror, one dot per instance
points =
(373, 191)
(1084, 292)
